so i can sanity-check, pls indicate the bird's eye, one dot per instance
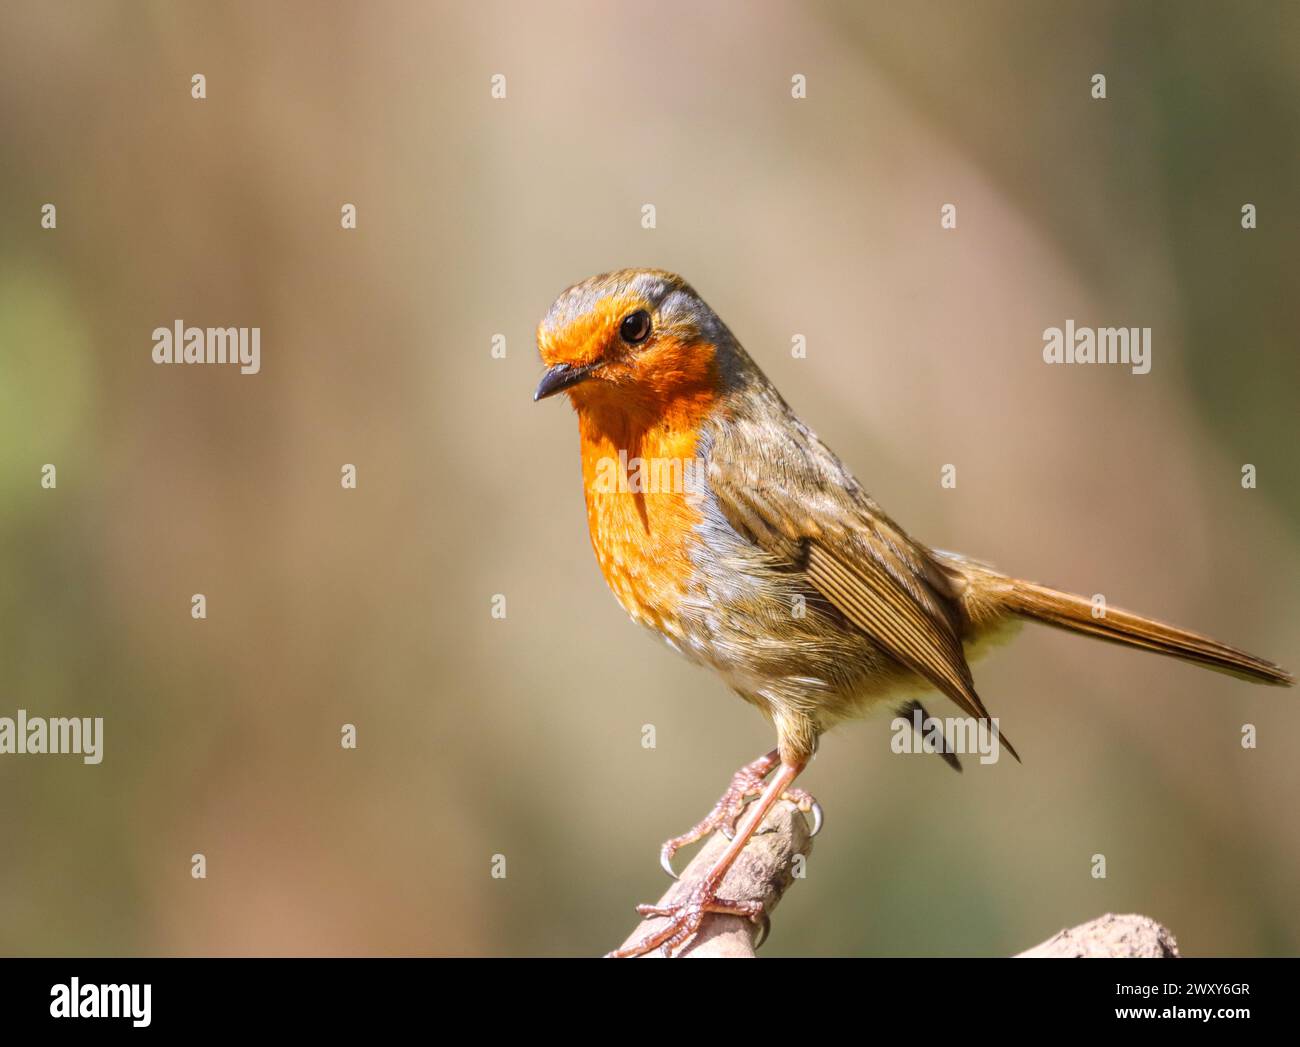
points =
(635, 327)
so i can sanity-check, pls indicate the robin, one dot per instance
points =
(722, 522)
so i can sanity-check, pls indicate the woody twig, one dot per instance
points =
(773, 861)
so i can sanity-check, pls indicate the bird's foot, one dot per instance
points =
(800, 798)
(746, 784)
(685, 918)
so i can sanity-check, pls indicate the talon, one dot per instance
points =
(725, 816)
(805, 803)
(686, 917)
(700, 899)
(764, 929)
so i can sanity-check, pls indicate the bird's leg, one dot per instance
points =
(687, 915)
(745, 784)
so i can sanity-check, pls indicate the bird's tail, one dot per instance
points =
(988, 596)
(1081, 615)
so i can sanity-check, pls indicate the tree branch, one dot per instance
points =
(1110, 936)
(766, 869)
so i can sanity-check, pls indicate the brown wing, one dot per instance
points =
(801, 505)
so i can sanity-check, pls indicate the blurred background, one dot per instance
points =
(522, 736)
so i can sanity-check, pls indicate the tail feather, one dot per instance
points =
(1076, 613)
(906, 711)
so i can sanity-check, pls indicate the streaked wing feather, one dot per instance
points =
(852, 554)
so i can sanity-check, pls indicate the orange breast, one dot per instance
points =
(642, 516)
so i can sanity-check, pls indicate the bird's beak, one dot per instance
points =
(561, 377)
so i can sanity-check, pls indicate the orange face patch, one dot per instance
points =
(591, 335)
(641, 403)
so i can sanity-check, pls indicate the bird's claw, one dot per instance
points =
(745, 785)
(685, 919)
(725, 816)
(805, 803)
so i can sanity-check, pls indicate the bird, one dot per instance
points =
(722, 523)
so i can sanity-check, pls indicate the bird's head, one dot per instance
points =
(638, 342)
